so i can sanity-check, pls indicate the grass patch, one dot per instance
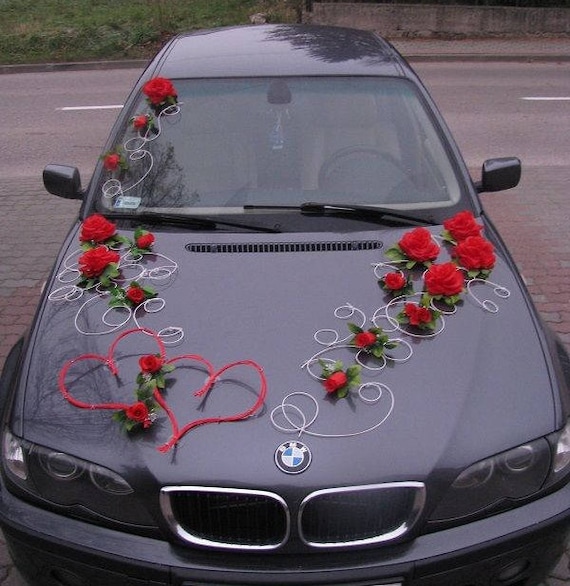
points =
(45, 31)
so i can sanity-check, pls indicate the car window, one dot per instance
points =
(231, 143)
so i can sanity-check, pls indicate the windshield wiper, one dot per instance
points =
(195, 222)
(363, 212)
(372, 213)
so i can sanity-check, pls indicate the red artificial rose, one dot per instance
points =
(444, 279)
(462, 225)
(150, 363)
(158, 90)
(98, 229)
(395, 281)
(335, 381)
(417, 315)
(94, 262)
(135, 295)
(140, 122)
(365, 339)
(419, 245)
(112, 161)
(475, 253)
(145, 241)
(138, 412)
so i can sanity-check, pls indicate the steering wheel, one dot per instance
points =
(364, 170)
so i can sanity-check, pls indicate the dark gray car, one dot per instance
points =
(283, 343)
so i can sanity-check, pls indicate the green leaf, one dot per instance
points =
(354, 328)
(342, 392)
(378, 352)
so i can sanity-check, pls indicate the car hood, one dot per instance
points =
(260, 310)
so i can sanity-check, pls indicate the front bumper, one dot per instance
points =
(517, 547)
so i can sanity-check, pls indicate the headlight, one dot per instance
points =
(510, 476)
(561, 463)
(66, 481)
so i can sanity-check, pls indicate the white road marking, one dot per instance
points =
(78, 108)
(547, 98)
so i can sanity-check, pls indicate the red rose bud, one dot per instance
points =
(335, 381)
(419, 245)
(462, 225)
(112, 161)
(135, 295)
(150, 364)
(365, 339)
(395, 281)
(145, 241)
(96, 228)
(475, 253)
(159, 90)
(137, 412)
(444, 279)
(94, 262)
(417, 315)
(140, 122)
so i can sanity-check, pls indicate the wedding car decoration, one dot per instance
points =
(162, 100)
(111, 268)
(412, 313)
(151, 383)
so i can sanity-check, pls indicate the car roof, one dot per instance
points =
(278, 50)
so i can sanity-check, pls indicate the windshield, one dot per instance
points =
(231, 143)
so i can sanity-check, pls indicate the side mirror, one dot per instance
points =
(63, 181)
(499, 174)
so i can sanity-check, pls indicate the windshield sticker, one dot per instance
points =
(127, 202)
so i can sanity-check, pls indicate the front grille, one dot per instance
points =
(226, 518)
(283, 247)
(255, 520)
(360, 515)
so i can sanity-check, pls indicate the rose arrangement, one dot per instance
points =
(97, 230)
(160, 93)
(142, 413)
(476, 255)
(99, 264)
(336, 380)
(419, 316)
(142, 123)
(472, 256)
(133, 296)
(461, 226)
(373, 341)
(114, 161)
(397, 284)
(415, 247)
(444, 282)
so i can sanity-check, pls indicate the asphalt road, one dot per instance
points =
(492, 108)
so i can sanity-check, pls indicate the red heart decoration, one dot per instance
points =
(177, 431)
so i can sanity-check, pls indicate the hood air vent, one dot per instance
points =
(275, 247)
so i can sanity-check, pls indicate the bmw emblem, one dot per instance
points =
(292, 457)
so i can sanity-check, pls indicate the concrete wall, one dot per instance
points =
(424, 20)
